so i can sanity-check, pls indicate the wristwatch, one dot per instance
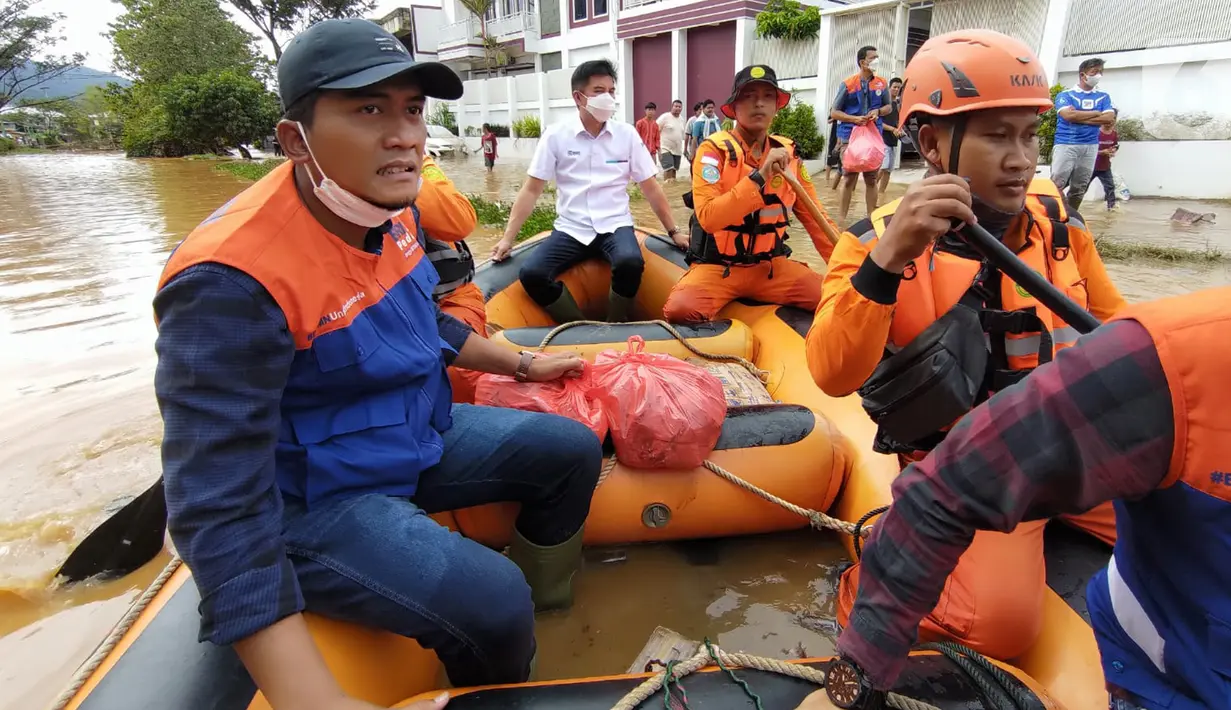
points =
(673, 231)
(522, 373)
(850, 689)
(758, 178)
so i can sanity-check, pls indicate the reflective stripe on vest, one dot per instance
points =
(1133, 618)
(454, 265)
(1028, 345)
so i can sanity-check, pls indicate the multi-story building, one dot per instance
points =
(1163, 70)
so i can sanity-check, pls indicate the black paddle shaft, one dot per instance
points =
(1001, 257)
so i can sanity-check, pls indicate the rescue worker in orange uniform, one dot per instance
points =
(447, 218)
(914, 320)
(1132, 413)
(737, 247)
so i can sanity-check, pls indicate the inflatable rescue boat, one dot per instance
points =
(784, 437)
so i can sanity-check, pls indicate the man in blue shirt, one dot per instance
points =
(309, 430)
(706, 125)
(1080, 112)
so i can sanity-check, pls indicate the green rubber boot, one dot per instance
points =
(619, 308)
(549, 570)
(564, 309)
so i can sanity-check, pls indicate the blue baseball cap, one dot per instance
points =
(352, 54)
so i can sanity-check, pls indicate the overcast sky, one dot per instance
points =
(85, 21)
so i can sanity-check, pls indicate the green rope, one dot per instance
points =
(756, 699)
(666, 687)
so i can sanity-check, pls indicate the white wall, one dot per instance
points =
(1179, 169)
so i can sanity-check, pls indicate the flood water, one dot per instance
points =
(82, 241)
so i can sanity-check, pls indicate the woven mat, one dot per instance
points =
(742, 388)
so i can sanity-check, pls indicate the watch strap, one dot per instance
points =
(758, 178)
(522, 373)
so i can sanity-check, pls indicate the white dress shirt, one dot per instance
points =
(592, 174)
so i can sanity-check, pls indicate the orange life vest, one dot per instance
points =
(1022, 333)
(762, 235)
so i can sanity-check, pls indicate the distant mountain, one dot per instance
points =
(69, 84)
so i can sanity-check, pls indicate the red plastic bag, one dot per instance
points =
(663, 412)
(567, 396)
(866, 151)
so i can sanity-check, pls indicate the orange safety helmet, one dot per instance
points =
(971, 70)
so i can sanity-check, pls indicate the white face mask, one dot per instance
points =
(348, 206)
(601, 107)
(873, 64)
(1093, 79)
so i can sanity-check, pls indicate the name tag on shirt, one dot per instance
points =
(1087, 104)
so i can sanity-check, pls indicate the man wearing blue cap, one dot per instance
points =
(308, 422)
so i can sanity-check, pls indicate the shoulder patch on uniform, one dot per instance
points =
(803, 173)
(434, 174)
(710, 160)
(776, 182)
(710, 174)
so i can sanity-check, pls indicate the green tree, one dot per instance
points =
(22, 38)
(287, 16)
(212, 111)
(494, 54)
(159, 40)
(196, 89)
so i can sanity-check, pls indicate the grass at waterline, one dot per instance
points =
(248, 169)
(496, 214)
(1117, 250)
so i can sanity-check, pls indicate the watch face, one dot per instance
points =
(843, 684)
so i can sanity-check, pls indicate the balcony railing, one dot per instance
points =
(502, 29)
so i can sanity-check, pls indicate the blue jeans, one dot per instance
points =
(560, 251)
(381, 562)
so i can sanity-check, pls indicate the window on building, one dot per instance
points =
(600, 8)
(580, 8)
(552, 61)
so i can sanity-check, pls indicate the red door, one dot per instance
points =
(652, 73)
(711, 64)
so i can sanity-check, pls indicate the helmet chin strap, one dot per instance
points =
(995, 221)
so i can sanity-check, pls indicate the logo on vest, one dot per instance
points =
(1021, 291)
(406, 241)
(1220, 478)
(341, 313)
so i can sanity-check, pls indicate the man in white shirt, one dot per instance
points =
(671, 128)
(592, 159)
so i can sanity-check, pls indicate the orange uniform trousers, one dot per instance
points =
(993, 600)
(704, 290)
(467, 305)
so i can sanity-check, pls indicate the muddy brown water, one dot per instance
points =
(82, 241)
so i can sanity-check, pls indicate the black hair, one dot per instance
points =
(1091, 63)
(862, 54)
(652, 105)
(486, 127)
(697, 107)
(588, 70)
(895, 80)
(303, 109)
(707, 102)
(677, 101)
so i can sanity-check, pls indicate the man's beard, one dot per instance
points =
(391, 206)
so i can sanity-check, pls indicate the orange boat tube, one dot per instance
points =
(805, 447)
